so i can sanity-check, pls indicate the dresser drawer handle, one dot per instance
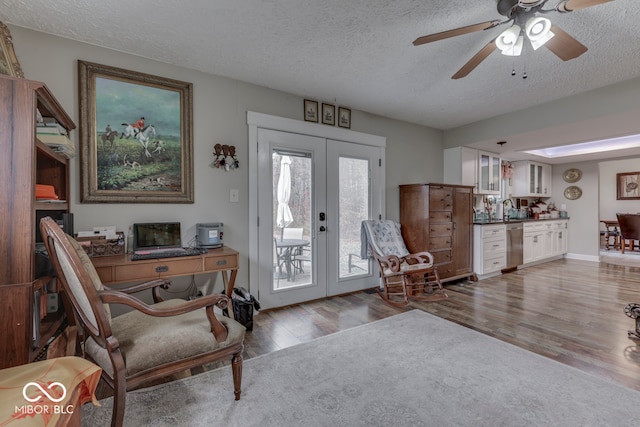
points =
(221, 262)
(162, 269)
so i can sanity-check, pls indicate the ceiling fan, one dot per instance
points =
(527, 22)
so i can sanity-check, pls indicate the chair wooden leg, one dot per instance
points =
(236, 368)
(427, 281)
(389, 290)
(119, 399)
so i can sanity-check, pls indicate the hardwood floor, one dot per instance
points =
(568, 310)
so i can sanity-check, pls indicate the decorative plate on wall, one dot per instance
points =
(573, 192)
(572, 175)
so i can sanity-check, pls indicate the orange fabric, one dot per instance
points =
(40, 393)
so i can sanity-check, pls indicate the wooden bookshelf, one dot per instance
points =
(24, 162)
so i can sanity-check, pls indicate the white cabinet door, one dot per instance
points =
(527, 248)
(461, 166)
(489, 173)
(545, 183)
(531, 179)
(562, 230)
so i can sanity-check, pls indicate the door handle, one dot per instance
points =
(322, 228)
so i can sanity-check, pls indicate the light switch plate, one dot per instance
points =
(234, 196)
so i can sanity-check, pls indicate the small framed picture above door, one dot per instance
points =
(344, 117)
(328, 114)
(310, 111)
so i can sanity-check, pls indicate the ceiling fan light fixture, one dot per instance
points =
(510, 41)
(538, 31)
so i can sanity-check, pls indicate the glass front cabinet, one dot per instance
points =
(489, 173)
(531, 179)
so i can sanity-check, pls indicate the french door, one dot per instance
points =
(312, 195)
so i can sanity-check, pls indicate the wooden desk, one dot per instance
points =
(611, 230)
(120, 269)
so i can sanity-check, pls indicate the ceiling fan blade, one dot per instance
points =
(571, 5)
(456, 32)
(476, 60)
(564, 46)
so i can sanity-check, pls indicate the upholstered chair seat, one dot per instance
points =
(148, 341)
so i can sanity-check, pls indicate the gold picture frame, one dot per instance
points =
(136, 136)
(9, 64)
(628, 186)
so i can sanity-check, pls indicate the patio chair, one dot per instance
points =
(299, 254)
(404, 276)
(152, 341)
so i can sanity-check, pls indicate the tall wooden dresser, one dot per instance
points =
(27, 321)
(438, 218)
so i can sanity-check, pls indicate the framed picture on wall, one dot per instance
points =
(628, 185)
(344, 117)
(9, 64)
(328, 114)
(135, 137)
(310, 110)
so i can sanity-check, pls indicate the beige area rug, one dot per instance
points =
(412, 369)
(628, 259)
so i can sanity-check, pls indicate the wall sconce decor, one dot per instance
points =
(224, 157)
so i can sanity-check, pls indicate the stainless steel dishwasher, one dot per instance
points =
(514, 245)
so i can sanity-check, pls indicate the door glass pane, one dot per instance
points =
(484, 172)
(292, 219)
(353, 206)
(495, 172)
(532, 179)
(540, 183)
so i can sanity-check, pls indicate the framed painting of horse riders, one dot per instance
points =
(136, 137)
(9, 64)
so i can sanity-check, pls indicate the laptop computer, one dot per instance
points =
(161, 239)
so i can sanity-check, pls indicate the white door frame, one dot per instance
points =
(259, 120)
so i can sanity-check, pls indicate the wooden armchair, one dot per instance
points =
(629, 229)
(405, 276)
(148, 343)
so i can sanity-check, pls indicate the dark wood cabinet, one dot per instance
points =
(438, 218)
(24, 162)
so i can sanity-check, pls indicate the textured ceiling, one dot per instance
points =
(356, 53)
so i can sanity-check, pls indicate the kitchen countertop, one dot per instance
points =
(511, 221)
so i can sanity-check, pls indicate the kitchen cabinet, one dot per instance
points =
(468, 166)
(544, 239)
(489, 173)
(438, 218)
(489, 249)
(531, 179)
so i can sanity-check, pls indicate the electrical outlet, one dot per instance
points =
(234, 196)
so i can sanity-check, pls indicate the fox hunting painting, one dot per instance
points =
(136, 137)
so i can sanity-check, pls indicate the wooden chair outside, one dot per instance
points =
(148, 343)
(629, 230)
(405, 276)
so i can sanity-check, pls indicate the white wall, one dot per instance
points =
(413, 153)
(584, 237)
(609, 205)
